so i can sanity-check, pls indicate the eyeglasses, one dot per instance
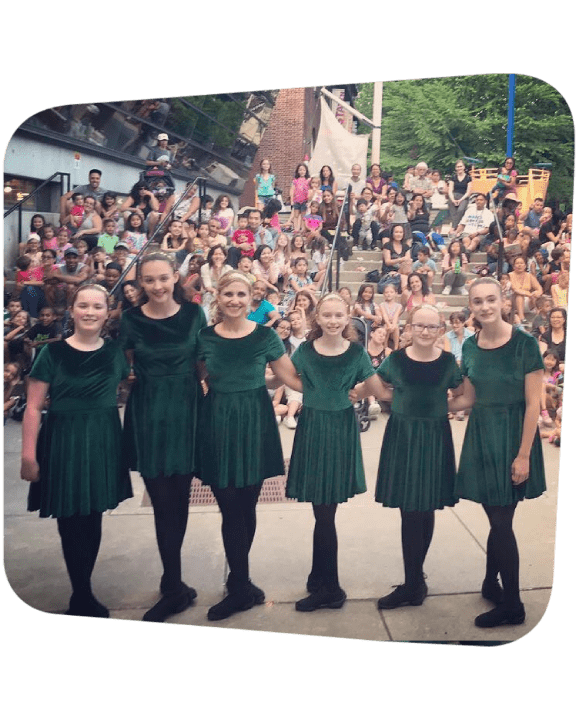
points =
(419, 328)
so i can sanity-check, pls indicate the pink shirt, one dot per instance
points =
(301, 186)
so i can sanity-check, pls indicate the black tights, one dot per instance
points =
(238, 508)
(325, 546)
(80, 536)
(170, 497)
(417, 531)
(502, 552)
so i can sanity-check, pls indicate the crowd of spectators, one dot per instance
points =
(428, 230)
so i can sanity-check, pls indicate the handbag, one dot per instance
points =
(373, 276)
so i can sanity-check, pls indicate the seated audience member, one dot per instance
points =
(160, 156)
(454, 266)
(475, 223)
(262, 236)
(29, 285)
(525, 287)
(424, 265)
(45, 331)
(72, 273)
(243, 243)
(365, 223)
(134, 235)
(531, 218)
(91, 226)
(420, 183)
(261, 311)
(108, 239)
(93, 189)
(214, 235)
(555, 337)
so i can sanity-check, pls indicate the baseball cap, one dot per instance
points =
(71, 251)
(162, 136)
(121, 245)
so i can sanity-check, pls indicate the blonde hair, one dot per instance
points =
(227, 279)
(349, 333)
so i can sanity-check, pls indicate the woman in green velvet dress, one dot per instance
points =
(501, 461)
(160, 339)
(417, 466)
(238, 435)
(326, 464)
(76, 454)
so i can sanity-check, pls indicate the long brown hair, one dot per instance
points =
(159, 256)
(349, 333)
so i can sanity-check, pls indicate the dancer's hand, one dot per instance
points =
(29, 470)
(520, 470)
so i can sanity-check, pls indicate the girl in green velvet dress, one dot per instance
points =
(326, 464)
(160, 340)
(501, 461)
(76, 454)
(238, 435)
(417, 465)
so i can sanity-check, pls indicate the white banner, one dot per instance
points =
(337, 148)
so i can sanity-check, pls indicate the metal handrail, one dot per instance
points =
(327, 281)
(19, 205)
(201, 182)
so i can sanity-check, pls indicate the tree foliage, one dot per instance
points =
(440, 120)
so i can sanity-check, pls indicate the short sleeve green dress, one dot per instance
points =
(162, 410)
(326, 464)
(79, 446)
(417, 466)
(238, 435)
(494, 430)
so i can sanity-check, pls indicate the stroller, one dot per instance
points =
(154, 176)
(361, 407)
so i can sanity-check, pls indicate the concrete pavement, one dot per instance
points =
(128, 569)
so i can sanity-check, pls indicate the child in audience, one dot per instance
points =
(312, 223)
(365, 307)
(390, 310)
(559, 290)
(299, 277)
(133, 235)
(541, 323)
(45, 331)
(245, 266)
(109, 238)
(315, 192)
(63, 244)
(299, 195)
(297, 249)
(48, 237)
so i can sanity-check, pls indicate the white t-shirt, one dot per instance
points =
(475, 220)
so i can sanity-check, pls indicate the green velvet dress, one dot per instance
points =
(238, 435)
(326, 464)
(162, 410)
(79, 445)
(417, 466)
(494, 431)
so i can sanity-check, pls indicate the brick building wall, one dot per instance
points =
(288, 138)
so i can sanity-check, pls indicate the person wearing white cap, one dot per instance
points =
(160, 155)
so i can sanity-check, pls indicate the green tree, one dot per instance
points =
(439, 120)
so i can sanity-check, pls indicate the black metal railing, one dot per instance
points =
(201, 183)
(64, 188)
(336, 246)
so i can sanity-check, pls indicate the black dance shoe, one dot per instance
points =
(322, 598)
(171, 604)
(492, 591)
(403, 595)
(236, 601)
(87, 606)
(183, 587)
(259, 596)
(501, 615)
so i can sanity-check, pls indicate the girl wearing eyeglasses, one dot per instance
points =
(417, 467)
